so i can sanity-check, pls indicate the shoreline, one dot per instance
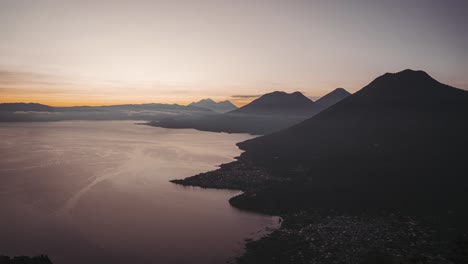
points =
(315, 235)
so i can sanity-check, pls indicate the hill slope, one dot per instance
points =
(388, 163)
(399, 142)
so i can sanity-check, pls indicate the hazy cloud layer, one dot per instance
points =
(182, 51)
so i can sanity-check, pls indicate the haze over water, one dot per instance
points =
(98, 192)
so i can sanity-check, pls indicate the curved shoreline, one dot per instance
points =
(327, 236)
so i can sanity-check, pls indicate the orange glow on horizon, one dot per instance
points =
(67, 101)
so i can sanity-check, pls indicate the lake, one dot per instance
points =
(99, 192)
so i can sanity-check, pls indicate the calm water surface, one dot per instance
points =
(98, 192)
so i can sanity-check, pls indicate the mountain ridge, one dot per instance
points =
(265, 115)
(374, 140)
(278, 102)
(220, 107)
(26, 112)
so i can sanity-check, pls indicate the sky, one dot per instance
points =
(101, 52)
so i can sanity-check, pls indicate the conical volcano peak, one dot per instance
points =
(331, 98)
(220, 107)
(279, 102)
(411, 71)
(408, 74)
(276, 93)
(280, 95)
(404, 83)
(340, 90)
(208, 100)
(407, 89)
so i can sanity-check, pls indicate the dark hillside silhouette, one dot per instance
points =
(400, 142)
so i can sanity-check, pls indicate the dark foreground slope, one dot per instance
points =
(400, 142)
(269, 113)
(379, 177)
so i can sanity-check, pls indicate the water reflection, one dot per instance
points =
(98, 192)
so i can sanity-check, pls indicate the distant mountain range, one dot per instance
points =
(15, 112)
(400, 142)
(220, 107)
(266, 114)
